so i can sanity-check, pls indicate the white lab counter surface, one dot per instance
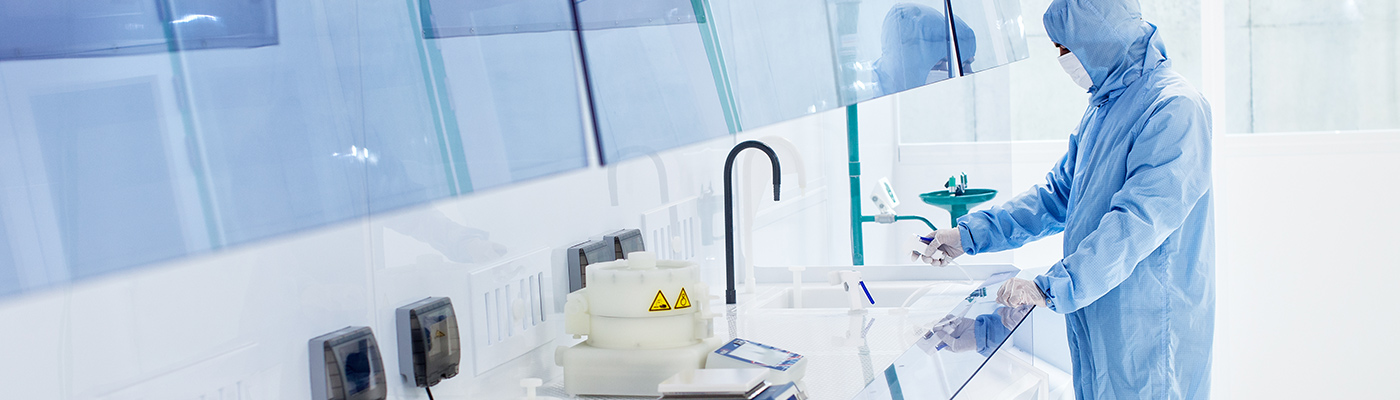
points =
(845, 349)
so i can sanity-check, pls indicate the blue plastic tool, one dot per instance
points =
(867, 293)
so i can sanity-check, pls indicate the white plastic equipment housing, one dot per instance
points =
(850, 281)
(884, 197)
(645, 319)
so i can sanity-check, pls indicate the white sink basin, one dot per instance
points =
(886, 294)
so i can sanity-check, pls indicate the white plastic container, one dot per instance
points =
(645, 321)
(590, 370)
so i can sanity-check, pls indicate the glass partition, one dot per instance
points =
(650, 70)
(505, 78)
(276, 128)
(999, 36)
(889, 46)
(9, 275)
(946, 357)
(778, 58)
(234, 122)
(673, 72)
(411, 139)
(65, 29)
(457, 18)
(651, 74)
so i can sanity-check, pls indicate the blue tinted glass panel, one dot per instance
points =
(778, 57)
(517, 105)
(653, 87)
(108, 176)
(9, 275)
(117, 162)
(606, 14)
(403, 127)
(890, 46)
(278, 127)
(989, 33)
(450, 18)
(34, 29)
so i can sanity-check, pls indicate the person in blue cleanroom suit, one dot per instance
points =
(914, 47)
(1133, 198)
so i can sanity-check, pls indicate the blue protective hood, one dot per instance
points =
(1110, 38)
(913, 42)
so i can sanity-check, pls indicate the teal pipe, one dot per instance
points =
(916, 218)
(868, 218)
(853, 152)
(857, 219)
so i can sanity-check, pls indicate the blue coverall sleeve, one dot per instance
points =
(991, 332)
(1032, 215)
(1168, 172)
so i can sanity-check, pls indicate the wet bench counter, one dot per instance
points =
(866, 353)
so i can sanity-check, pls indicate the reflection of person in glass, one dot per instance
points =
(984, 333)
(914, 47)
(1133, 198)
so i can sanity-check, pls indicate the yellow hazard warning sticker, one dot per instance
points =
(660, 303)
(682, 301)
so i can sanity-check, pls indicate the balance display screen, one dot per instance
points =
(755, 353)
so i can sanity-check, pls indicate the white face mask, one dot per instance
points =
(1076, 71)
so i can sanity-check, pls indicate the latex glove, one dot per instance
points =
(1011, 316)
(939, 247)
(1019, 292)
(957, 333)
(927, 252)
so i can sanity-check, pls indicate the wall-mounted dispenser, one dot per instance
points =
(579, 256)
(346, 365)
(624, 242)
(430, 348)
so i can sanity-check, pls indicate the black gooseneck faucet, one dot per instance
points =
(730, 296)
